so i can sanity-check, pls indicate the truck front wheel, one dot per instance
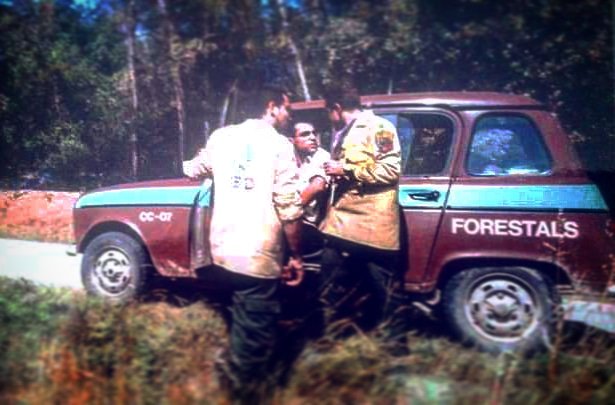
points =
(500, 309)
(114, 267)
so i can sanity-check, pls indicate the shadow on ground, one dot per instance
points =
(296, 309)
(296, 305)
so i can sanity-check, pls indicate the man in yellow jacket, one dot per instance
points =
(361, 226)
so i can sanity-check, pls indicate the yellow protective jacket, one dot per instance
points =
(363, 206)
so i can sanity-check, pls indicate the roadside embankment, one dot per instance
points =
(37, 215)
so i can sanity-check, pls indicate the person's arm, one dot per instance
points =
(293, 271)
(288, 206)
(200, 165)
(372, 158)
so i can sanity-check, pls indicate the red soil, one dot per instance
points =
(37, 215)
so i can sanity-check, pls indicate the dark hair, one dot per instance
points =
(254, 103)
(346, 95)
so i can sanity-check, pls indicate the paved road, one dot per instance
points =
(43, 263)
(48, 264)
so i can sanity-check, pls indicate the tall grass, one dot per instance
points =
(59, 346)
(63, 347)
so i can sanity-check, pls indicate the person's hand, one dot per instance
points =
(188, 169)
(195, 169)
(292, 273)
(334, 168)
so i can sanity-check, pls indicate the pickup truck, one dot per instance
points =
(502, 227)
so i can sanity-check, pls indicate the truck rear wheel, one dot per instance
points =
(500, 308)
(114, 267)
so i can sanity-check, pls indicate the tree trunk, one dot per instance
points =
(225, 105)
(178, 89)
(128, 27)
(294, 50)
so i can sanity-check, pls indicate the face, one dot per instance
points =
(305, 139)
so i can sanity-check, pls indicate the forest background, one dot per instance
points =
(98, 92)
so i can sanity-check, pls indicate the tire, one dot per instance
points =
(115, 267)
(500, 309)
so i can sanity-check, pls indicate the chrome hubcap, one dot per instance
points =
(112, 272)
(502, 309)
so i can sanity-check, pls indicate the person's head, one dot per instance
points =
(340, 102)
(272, 105)
(305, 139)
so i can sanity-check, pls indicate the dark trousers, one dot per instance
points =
(352, 274)
(251, 315)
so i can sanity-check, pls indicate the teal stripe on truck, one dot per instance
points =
(541, 197)
(141, 196)
(584, 197)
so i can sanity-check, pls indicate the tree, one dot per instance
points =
(128, 29)
(531, 47)
(75, 86)
(59, 106)
(175, 72)
(293, 50)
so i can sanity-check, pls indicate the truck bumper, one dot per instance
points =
(71, 250)
(598, 314)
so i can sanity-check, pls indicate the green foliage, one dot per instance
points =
(358, 370)
(65, 102)
(131, 347)
(52, 75)
(528, 47)
(61, 346)
(30, 317)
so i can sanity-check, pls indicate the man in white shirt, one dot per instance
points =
(257, 211)
(313, 186)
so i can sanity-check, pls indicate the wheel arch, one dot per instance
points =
(555, 274)
(112, 226)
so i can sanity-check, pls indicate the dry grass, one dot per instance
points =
(58, 346)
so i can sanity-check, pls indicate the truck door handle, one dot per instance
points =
(425, 196)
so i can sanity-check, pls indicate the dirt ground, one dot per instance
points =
(37, 215)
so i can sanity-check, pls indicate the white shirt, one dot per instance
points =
(255, 190)
(311, 167)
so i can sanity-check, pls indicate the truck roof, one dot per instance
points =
(458, 100)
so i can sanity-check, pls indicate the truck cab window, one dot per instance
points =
(426, 140)
(506, 146)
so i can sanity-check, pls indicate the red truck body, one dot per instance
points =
(490, 182)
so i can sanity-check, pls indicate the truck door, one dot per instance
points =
(427, 138)
(518, 195)
(200, 250)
